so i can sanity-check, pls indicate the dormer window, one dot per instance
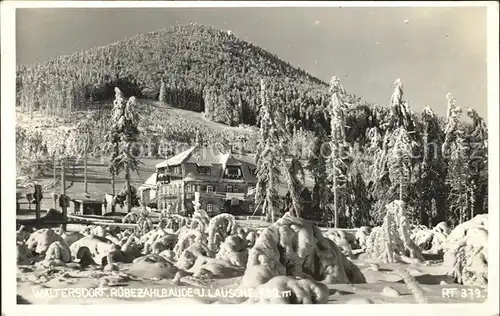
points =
(232, 172)
(204, 171)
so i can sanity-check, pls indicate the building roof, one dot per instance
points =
(211, 157)
(87, 198)
(207, 156)
(177, 159)
(150, 183)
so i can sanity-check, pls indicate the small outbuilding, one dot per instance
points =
(87, 205)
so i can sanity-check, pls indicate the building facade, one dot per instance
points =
(225, 182)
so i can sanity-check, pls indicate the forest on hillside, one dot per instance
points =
(198, 65)
(438, 166)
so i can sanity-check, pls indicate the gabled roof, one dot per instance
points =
(245, 158)
(177, 159)
(150, 182)
(208, 157)
(232, 162)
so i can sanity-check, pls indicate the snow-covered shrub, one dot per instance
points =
(24, 255)
(132, 245)
(362, 235)
(168, 254)
(153, 267)
(251, 237)
(71, 237)
(97, 246)
(340, 238)
(257, 275)
(110, 258)
(176, 222)
(187, 238)
(200, 220)
(430, 240)
(206, 267)
(290, 290)
(22, 234)
(234, 250)
(466, 252)
(293, 246)
(144, 223)
(221, 225)
(156, 236)
(391, 241)
(131, 218)
(443, 228)
(40, 240)
(58, 250)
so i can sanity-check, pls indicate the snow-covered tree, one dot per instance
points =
(453, 122)
(336, 164)
(162, 98)
(267, 159)
(467, 163)
(274, 157)
(392, 242)
(458, 180)
(399, 161)
(392, 145)
(431, 171)
(317, 165)
(124, 133)
(477, 164)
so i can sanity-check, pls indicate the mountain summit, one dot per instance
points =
(198, 65)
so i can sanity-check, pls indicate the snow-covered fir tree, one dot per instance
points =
(457, 150)
(457, 180)
(336, 164)
(431, 171)
(477, 164)
(399, 162)
(267, 160)
(124, 133)
(317, 165)
(162, 98)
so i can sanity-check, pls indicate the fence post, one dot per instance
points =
(38, 200)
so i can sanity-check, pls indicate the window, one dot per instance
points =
(210, 188)
(178, 170)
(233, 172)
(198, 188)
(235, 189)
(209, 208)
(229, 189)
(204, 170)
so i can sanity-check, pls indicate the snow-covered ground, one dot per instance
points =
(155, 282)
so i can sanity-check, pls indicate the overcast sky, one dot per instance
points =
(433, 50)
